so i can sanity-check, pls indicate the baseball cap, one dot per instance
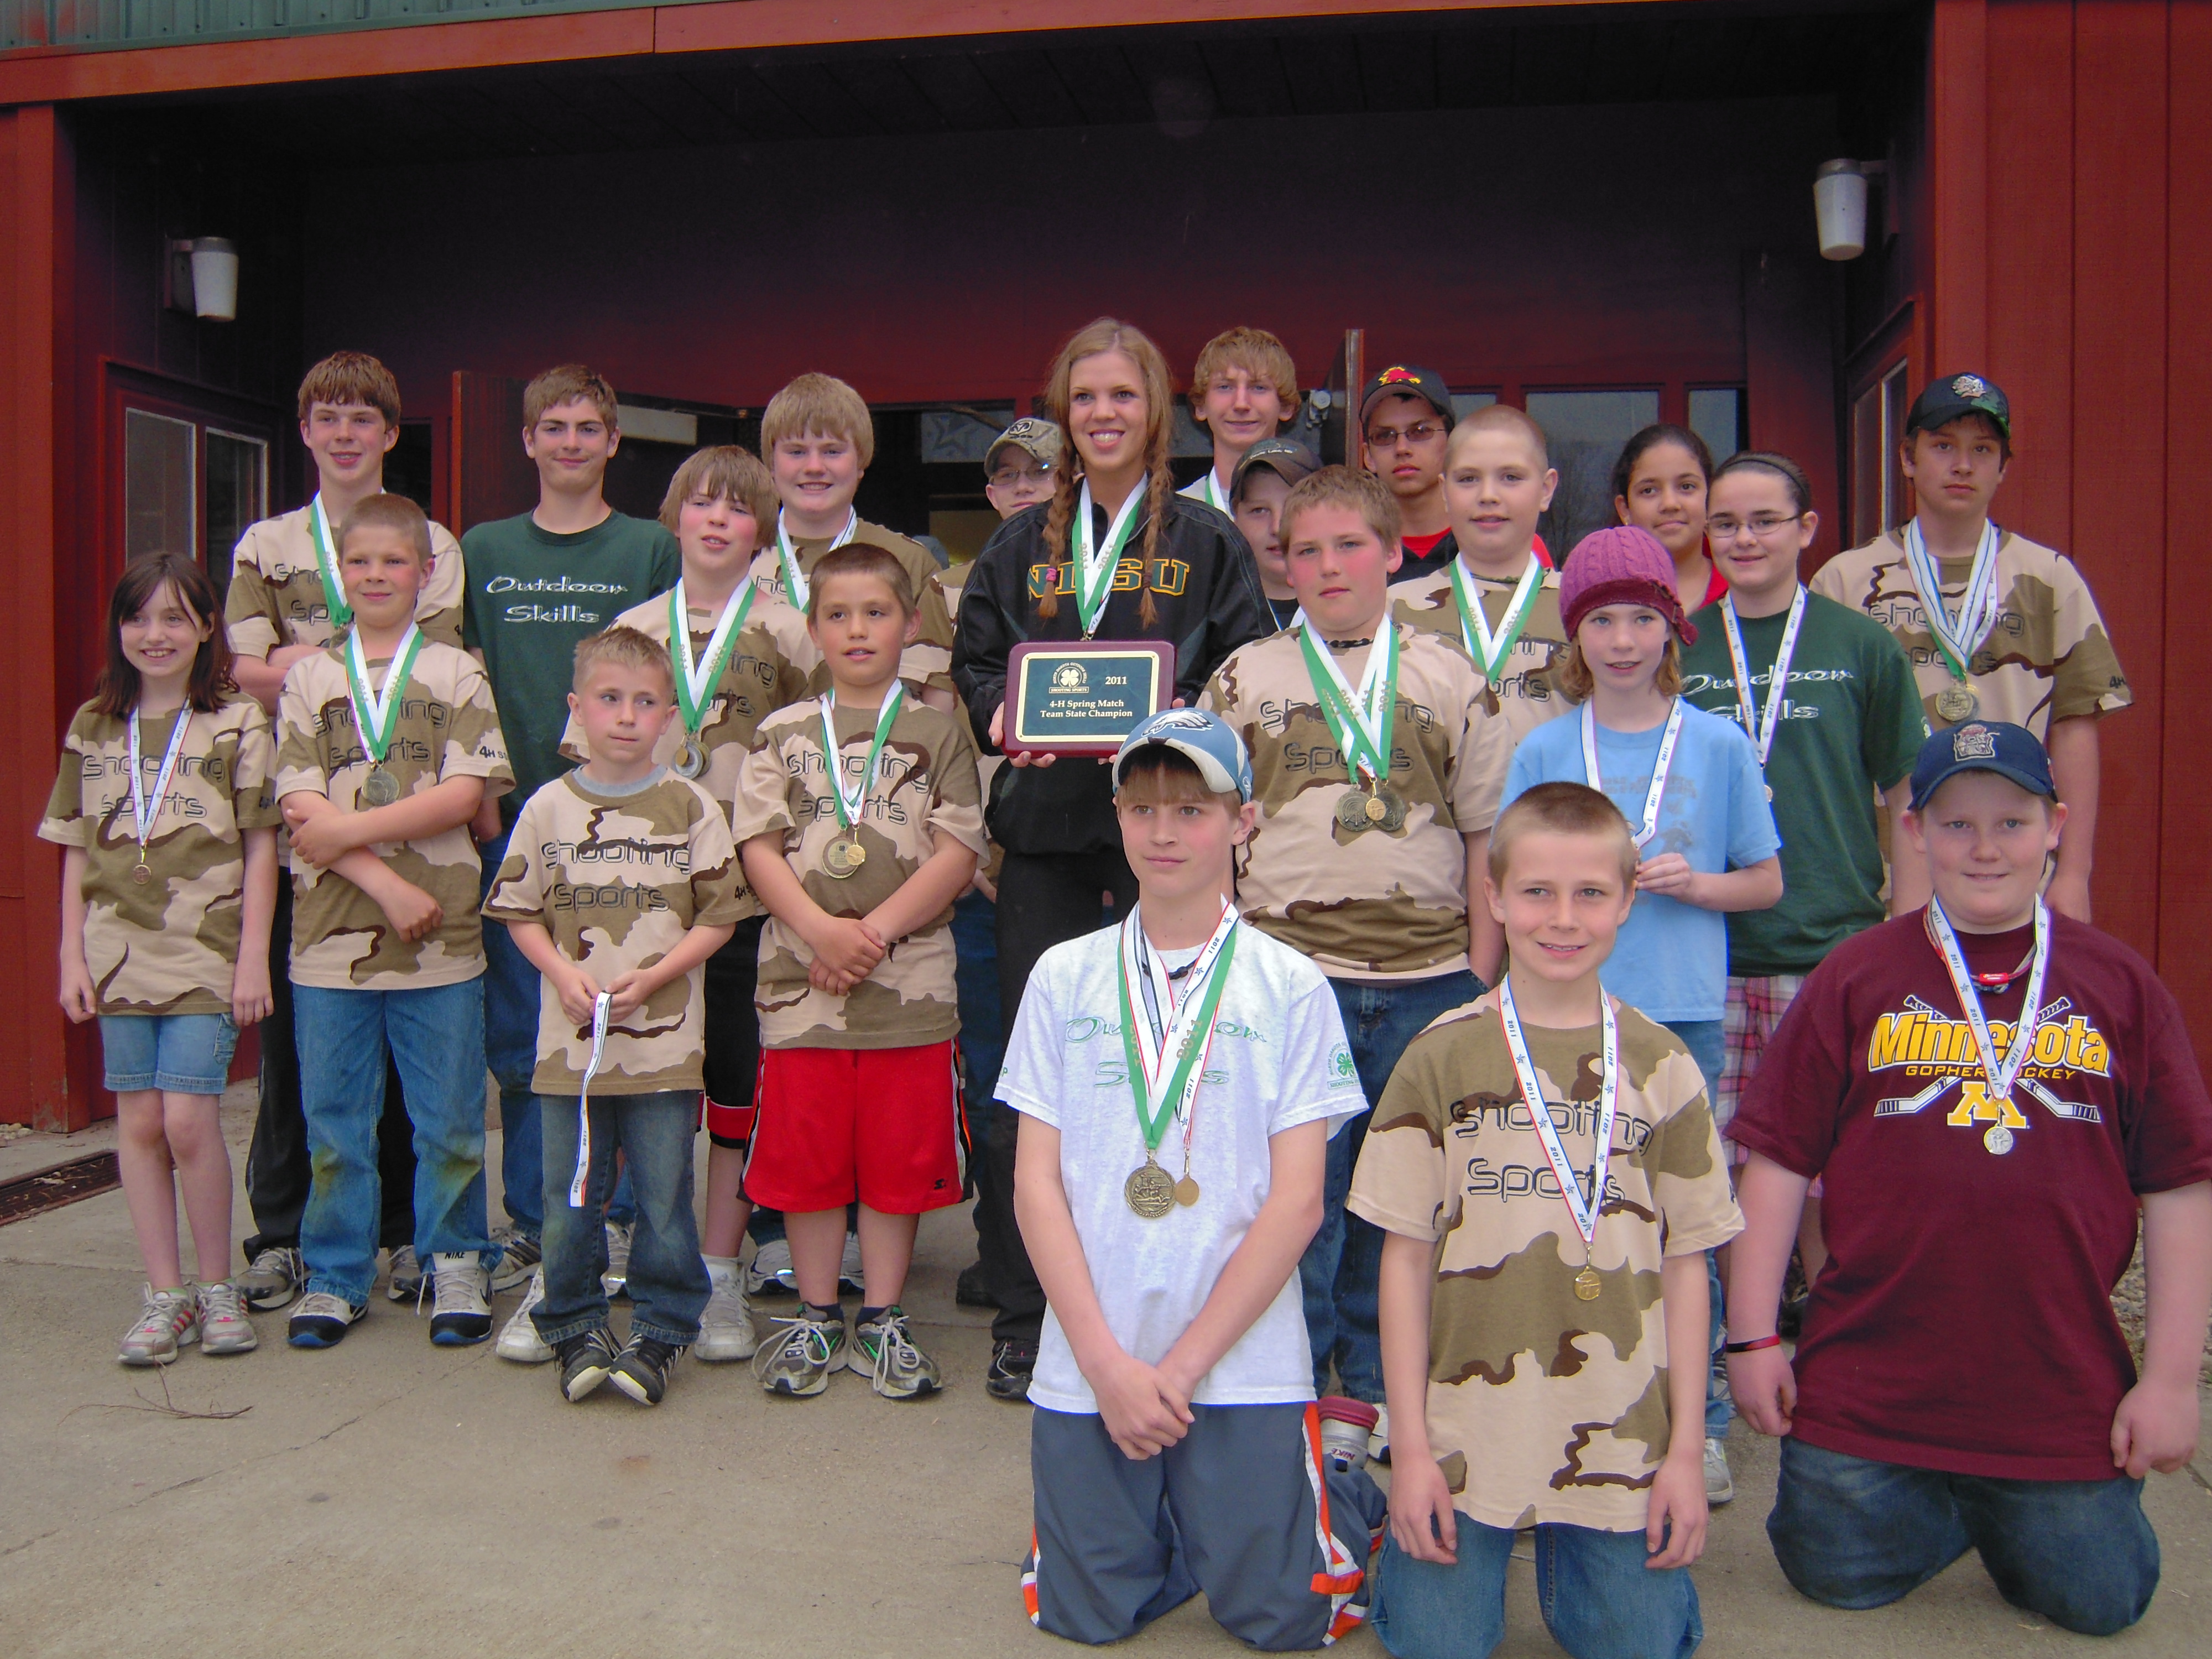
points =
(1941, 402)
(2010, 751)
(1032, 432)
(1287, 457)
(1205, 740)
(1403, 380)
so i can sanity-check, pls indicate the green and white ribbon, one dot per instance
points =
(1956, 637)
(1150, 1046)
(376, 712)
(1489, 650)
(695, 681)
(1095, 566)
(849, 805)
(1361, 720)
(794, 579)
(326, 560)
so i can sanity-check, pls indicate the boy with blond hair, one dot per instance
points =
(1498, 596)
(286, 602)
(1379, 776)
(539, 583)
(818, 440)
(1547, 1169)
(861, 821)
(1244, 387)
(620, 882)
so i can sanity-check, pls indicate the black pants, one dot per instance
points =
(277, 1174)
(1044, 900)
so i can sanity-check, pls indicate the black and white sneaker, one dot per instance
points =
(587, 1361)
(321, 1321)
(460, 1315)
(641, 1371)
(1011, 1365)
(518, 1258)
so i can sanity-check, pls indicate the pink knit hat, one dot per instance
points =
(1622, 564)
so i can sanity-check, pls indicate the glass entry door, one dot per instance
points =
(189, 470)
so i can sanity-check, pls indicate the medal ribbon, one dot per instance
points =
(326, 560)
(601, 1006)
(377, 715)
(1095, 566)
(1777, 684)
(1999, 1078)
(695, 681)
(1539, 1112)
(1490, 650)
(145, 813)
(1362, 721)
(1660, 766)
(1148, 1048)
(1955, 638)
(1214, 496)
(794, 580)
(849, 806)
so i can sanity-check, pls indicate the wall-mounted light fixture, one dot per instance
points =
(203, 277)
(1840, 205)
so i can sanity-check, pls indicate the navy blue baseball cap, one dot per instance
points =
(2010, 751)
(1205, 740)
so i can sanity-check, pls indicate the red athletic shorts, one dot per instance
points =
(881, 1125)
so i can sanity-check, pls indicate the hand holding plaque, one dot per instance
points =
(1081, 696)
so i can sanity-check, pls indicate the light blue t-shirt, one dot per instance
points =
(1671, 960)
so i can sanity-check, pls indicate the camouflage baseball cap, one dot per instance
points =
(1943, 401)
(1033, 432)
(1286, 457)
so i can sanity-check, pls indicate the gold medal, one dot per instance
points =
(1587, 1284)
(140, 873)
(1957, 702)
(844, 856)
(1376, 808)
(1149, 1190)
(380, 787)
(690, 759)
(1997, 1139)
(1186, 1192)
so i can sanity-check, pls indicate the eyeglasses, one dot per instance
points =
(1761, 526)
(1007, 477)
(1421, 432)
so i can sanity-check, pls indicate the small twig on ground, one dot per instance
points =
(164, 1407)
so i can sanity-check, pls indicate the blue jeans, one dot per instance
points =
(1853, 1533)
(1706, 1040)
(1339, 1269)
(510, 1028)
(982, 1041)
(177, 1053)
(1599, 1600)
(436, 1039)
(668, 1285)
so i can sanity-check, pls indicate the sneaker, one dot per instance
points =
(617, 1273)
(973, 1288)
(726, 1327)
(321, 1319)
(1008, 1379)
(883, 1350)
(1378, 1442)
(1345, 1425)
(277, 1276)
(460, 1315)
(224, 1328)
(801, 1354)
(1720, 1485)
(167, 1320)
(641, 1371)
(769, 1272)
(587, 1361)
(518, 1338)
(517, 1261)
(406, 1277)
(848, 1266)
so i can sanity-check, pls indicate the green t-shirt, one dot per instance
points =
(531, 596)
(1851, 726)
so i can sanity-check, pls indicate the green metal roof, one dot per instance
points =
(83, 25)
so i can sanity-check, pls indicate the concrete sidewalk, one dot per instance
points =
(389, 1497)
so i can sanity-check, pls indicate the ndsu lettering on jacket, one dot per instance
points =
(1922, 1044)
(1171, 577)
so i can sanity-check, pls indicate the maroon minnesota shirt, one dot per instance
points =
(1963, 1323)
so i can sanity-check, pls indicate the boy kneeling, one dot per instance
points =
(1176, 1446)
(1962, 1381)
(1543, 1285)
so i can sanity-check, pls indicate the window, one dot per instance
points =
(194, 466)
(161, 505)
(1717, 416)
(1879, 496)
(237, 494)
(1586, 430)
(1464, 404)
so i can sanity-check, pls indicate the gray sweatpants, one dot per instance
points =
(1242, 1507)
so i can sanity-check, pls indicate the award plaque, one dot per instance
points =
(1081, 696)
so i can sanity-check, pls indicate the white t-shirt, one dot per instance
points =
(1279, 1060)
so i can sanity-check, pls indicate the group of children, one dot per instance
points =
(1434, 833)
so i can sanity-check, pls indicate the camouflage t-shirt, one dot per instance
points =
(2045, 658)
(168, 945)
(277, 589)
(1525, 695)
(1541, 1406)
(758, 677)
(927, 661)
(927, 786)
(618, 880)
(447, 728)
(1375, 904)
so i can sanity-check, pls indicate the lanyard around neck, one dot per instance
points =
(143, 813)
(1584, 1211)
(1095, 566)
(695, 681)
(1152, 1050)
(1956, 637)
(1761, 728)
(1999, 1078)
(1490, 650)
(326, 562)
(1361, 720)
(794, 579)
(850, 804)
(376, 712)
(1661, 764)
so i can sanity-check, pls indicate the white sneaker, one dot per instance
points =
(518, 1338)
(406, 1280)
(460, 1315)
(224, 1328)
(770, 1270)
(167, 1320)
(1378, 1442)
(726, 1327)
(1720, 1485)
(617, 1273)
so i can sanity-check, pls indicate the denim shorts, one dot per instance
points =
(178, 1054)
